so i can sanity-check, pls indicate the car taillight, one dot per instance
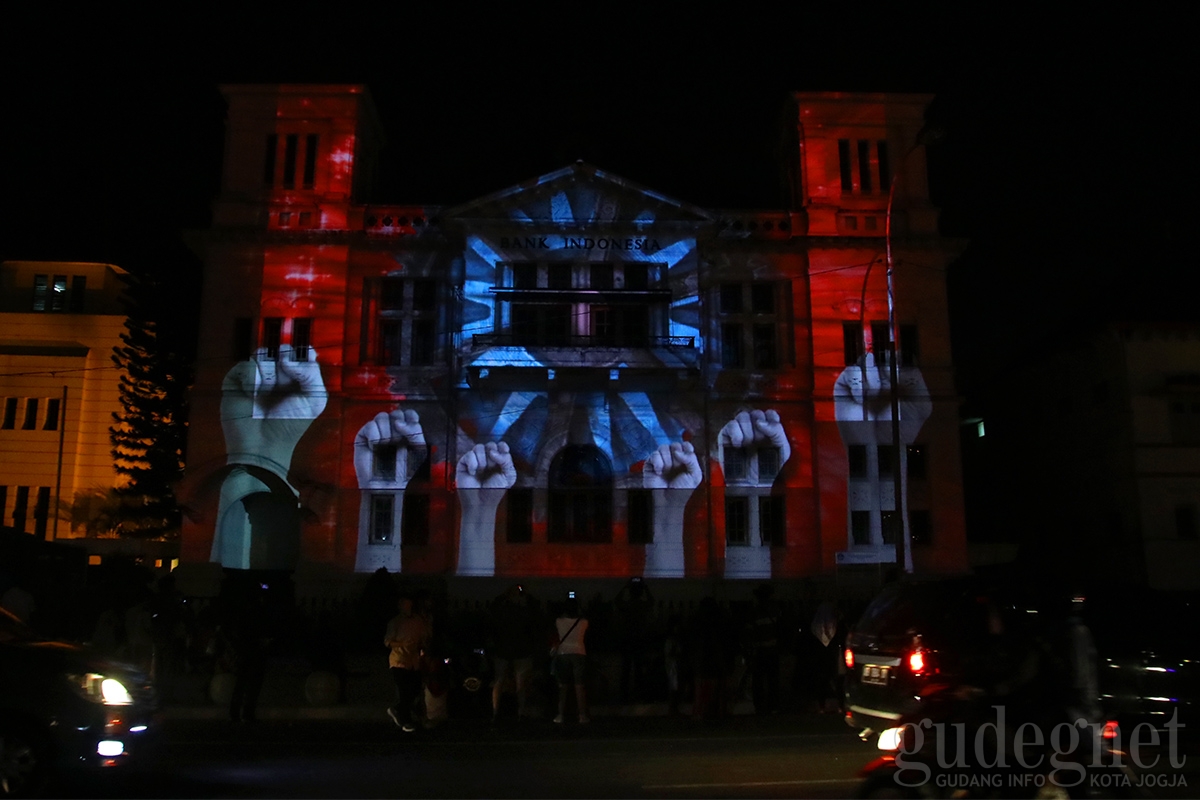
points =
(917, 661)
(848, 657)
(1110, 731)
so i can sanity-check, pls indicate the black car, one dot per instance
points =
(910, 635)
(971, 632)
(63, 707)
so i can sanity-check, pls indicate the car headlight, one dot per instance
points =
(102, 689)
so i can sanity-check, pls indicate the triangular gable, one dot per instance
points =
(578, 195)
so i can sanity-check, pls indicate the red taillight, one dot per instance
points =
(848, 657)
(916, 661)
(1110, 731)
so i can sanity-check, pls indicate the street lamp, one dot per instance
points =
(925, 136)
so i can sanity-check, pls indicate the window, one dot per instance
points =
(52, 410)
(737, 520)
(909, 346)
(424, 294)
(918, 462)
(857, 454)
(637, 277)
(885, 167)
(735, 463)
(520, 515)
(731, 346)
(10, 414)
(1185, 521)
(524, 275)
(852, 342)
(415, 524)
(382, 514)
(641, 516)
(881, 342)
(243, 339)
(78, 293)
(20, 507)
(388, 349)
(731, 298)
(771, 520)
(272, 335)
(41, 511)
(558, 276)
(422, 342)
(890, 525)
(864, 166)
(383, 465)
(301, 338)
(887, 460)
(768, 464)
(860, 527)
(762, 298)
(580, 496)
(920, 526)
(290, 148)
(58, 294)
(402, 327)
(310, 160)
(845, 169)
(546, 324)
(269, 160)
(764, 347)
(31, 414)
(601, 277)
(41, 291)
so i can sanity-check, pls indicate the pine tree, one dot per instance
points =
(150, 431)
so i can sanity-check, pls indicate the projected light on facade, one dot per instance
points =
(574, 376)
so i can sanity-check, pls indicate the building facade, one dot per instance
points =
(576, 376)
(60, 390)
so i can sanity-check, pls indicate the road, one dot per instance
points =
(781, 756)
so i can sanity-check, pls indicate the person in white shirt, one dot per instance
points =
(570, 659)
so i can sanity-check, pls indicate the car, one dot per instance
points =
(917, 634)
(910, 635)
(64, 707)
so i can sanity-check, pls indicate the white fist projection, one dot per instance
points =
(673, 473)
(754, 432)
(266, 407)
(862, 399)
(388, 449)
(483, 475)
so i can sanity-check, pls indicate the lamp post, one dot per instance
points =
(925, 136)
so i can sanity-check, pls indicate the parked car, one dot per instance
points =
(63, 707)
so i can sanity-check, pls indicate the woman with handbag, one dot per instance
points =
(569, 659)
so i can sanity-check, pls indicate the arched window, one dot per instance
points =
(580, 496)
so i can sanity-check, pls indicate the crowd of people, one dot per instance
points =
(521, 656)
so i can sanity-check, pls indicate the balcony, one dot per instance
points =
(508, 351)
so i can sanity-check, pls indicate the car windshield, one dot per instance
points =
(936, 609)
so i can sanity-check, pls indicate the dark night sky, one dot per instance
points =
(1067, 164)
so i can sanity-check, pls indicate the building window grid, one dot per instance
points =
(382, 515)
(756, 332)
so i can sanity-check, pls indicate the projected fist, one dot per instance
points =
(759, 434)
(672, 466)
(267, 405)
(388, 449)
(673, 472)
(862, 403)
(484, 474)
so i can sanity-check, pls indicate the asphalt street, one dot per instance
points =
(744, 756)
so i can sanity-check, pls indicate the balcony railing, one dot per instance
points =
(516, 340)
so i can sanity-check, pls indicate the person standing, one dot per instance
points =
(515, 635)
(570, 659)
(762, 634)
(406, 637)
